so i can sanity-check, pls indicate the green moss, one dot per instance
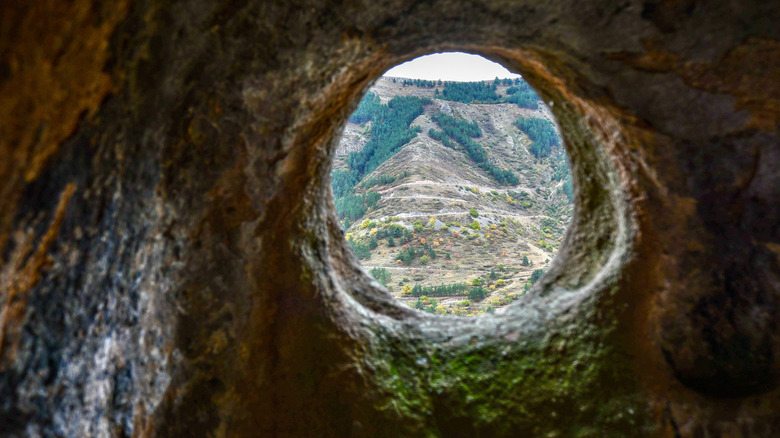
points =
(567, 383)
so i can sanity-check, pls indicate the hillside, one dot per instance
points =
(457, 207)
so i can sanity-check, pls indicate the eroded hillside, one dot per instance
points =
(466, 215)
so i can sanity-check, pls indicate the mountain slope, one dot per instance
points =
(433, 214)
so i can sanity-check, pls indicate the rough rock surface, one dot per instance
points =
(170, 264)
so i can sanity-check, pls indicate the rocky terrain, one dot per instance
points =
(464, 227)
(172, 265)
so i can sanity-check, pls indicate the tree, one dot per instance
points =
(390, 131)
(390, 241)
(468, 92)
(541, 132)
(536, 275)
(476, 294)
(568, 189)
(526, 262)
(381, 275)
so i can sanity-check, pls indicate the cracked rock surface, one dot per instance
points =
(171, 265)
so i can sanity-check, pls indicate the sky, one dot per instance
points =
(451, 66)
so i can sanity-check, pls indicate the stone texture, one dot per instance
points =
(171, 264)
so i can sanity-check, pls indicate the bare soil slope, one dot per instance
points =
(438, 191)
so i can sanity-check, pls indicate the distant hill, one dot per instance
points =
(455, 195)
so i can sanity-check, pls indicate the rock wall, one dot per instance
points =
(171, 264)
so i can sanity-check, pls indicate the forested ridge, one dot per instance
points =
(477, 198)
(390, 130)
(463, 132)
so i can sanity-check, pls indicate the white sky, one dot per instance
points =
(451, 66)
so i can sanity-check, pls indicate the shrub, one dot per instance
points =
(477, 294)
(473, 212)
(475, 225)
(536, 275)
(381, 275)
(425, 259)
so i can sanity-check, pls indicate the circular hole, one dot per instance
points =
(452, 184)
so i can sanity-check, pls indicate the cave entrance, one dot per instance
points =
(452, 184)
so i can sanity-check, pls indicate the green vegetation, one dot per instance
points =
(442, 137)
(381, 275)
(406, 256)
(462, 132)
(521, 94)
(560, 165)
(433, 240)
(541, 132)
(567, 188)
(469, 92)
(477, 293)
(439, 291)
(353, 207)
(536, 275)
(361, 249)
(389, 132)
(426, 304)
(422, 83)
(382, 180)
